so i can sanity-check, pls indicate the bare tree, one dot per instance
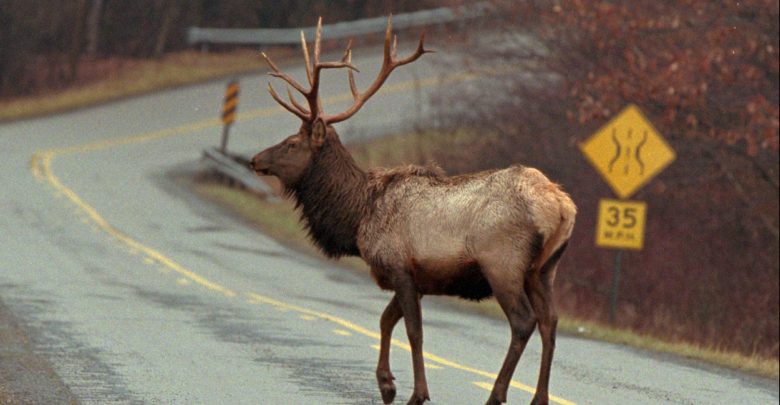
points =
(77, 40)
(170, 10)
(93, 27)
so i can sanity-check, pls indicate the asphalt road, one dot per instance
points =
(117, 285)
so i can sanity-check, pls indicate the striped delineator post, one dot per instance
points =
(229, 111)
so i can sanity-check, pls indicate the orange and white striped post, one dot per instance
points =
(229, 111)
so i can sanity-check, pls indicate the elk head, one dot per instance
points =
(289, 159)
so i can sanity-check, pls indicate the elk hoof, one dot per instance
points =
(418, 399)
(539, 401)
(493, 400)
(386, 386)
(388, 392)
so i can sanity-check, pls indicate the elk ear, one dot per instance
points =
(318, 131)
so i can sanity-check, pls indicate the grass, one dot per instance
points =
(280, 221)
(753, 364)
(135, 78)
(417, 148)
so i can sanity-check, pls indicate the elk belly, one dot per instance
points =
(457, 277)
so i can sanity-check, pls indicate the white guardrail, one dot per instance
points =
(284, 36)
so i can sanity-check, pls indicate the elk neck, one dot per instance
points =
(333, 197)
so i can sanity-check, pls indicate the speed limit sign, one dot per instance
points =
(621, 224)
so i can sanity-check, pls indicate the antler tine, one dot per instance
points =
(388, 64)
(348, 59)
(278, 73)
(314, 67)
(317, 38)
(286, 106)
(417, 52)
(306, 57)
(295, 103)
(313, 95)
(388, 34)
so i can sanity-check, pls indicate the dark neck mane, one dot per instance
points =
(333, 197)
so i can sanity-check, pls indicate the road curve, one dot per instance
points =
(121, 286)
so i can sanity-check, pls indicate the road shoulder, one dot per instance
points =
(26, 377)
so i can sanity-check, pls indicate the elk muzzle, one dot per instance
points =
(261, 163)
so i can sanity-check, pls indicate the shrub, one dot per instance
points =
(706, 73)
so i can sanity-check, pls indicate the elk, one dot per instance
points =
(497, 232)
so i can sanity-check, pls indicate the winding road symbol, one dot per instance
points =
(628, 151)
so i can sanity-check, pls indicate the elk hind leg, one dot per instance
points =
(539, 286)
(522, 321)
(390, 317)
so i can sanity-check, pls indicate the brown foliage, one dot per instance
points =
(706, 73)
(704, 68)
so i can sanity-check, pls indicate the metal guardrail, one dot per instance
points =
(237, 169)
(284, 36)
(235, 166)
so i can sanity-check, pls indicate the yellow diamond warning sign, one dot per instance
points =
(621, 224)
(628, 151)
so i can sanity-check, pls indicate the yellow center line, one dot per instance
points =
(257, 298)
(40, 166)
(44, 168)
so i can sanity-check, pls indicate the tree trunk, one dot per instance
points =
(93, 27)
(170, 12)
(77, 40)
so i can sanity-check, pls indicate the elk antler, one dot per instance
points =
(388, 64)
(313, 76)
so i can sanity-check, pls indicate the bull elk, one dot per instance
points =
(497, 232)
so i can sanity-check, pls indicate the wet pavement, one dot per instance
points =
(118, 285)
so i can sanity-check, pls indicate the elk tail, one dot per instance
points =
(555, 245)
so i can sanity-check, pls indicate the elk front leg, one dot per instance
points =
(409, 302)
(384, 377)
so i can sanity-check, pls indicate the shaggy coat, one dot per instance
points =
(498, 232)
(446, 230)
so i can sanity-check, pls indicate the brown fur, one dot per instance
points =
(498, 232)
(332, 207)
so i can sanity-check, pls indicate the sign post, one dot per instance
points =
(621, 225)
(628, 152)
(229, 111)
